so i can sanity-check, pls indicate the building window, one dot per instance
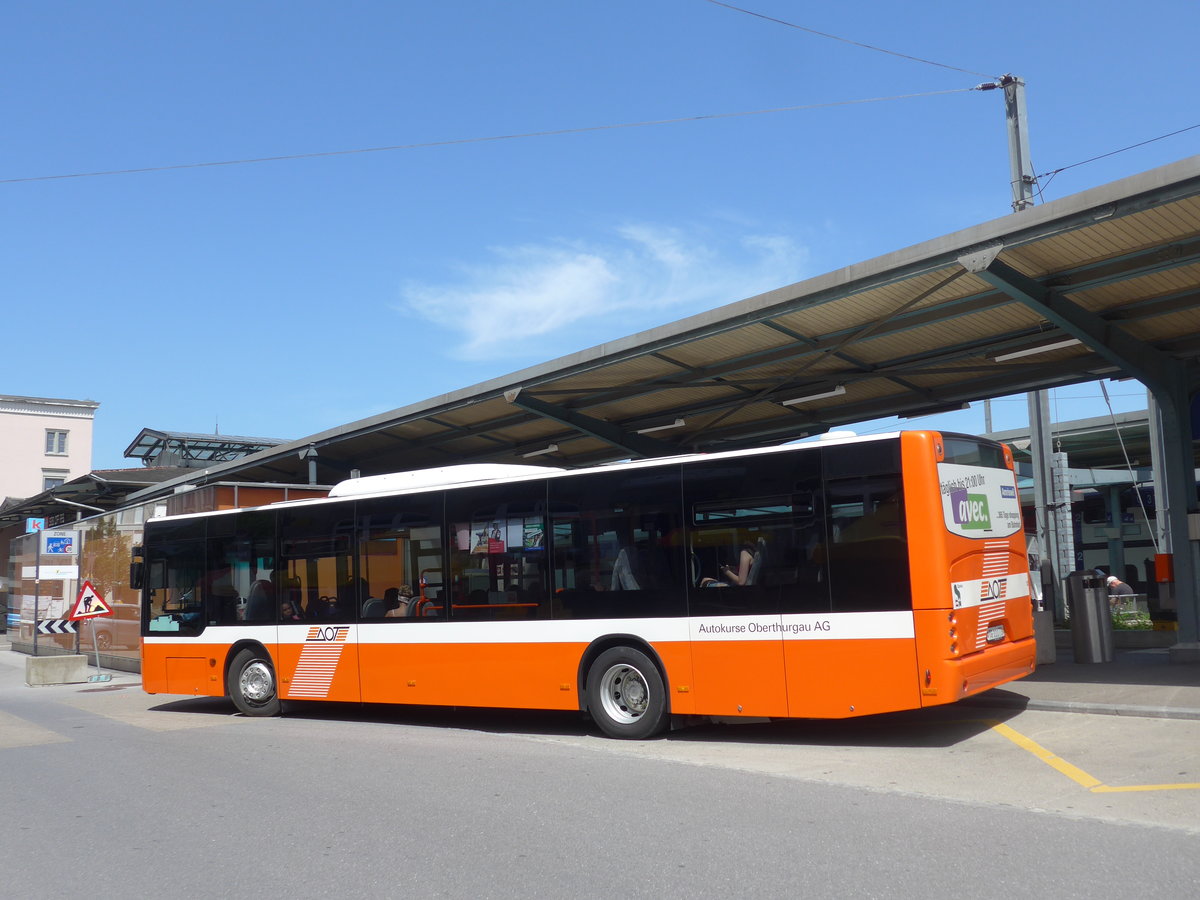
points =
(56, 443)
(52, 478)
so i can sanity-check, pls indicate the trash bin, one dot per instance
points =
(1091, 621)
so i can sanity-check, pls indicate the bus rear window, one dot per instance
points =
(963, 451)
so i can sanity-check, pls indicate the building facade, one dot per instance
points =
(44, 443)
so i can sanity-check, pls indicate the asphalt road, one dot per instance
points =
(112, 793)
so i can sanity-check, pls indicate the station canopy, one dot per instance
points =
(972, 315)
(177, 448)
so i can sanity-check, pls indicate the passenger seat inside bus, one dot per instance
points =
(623, 577)
(260, 604)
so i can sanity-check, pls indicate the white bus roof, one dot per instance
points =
(442, 476)
(472, 473)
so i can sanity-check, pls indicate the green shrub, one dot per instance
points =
(1132, 621)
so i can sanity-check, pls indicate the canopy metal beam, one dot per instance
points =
(1167, 378)
(637, 444)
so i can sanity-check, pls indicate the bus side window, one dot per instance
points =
(498, 558)
(754, 533)
(867, 555)
(618, 549)
(315, 554)
(173, 597)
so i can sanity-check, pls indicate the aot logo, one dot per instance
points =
(996, 589)
(327, 633)
(970, 511)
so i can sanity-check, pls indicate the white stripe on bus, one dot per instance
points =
(792, 626)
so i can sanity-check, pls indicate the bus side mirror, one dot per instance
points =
(137, 570)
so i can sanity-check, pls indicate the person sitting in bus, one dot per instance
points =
(398, 601)
(730, 577)
(391, 601)
(288, 612)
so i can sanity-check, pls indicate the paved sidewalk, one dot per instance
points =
(1136, 683)
(12, 660)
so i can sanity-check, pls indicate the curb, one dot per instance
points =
(1095, 709)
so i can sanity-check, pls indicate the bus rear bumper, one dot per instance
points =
(984, 671)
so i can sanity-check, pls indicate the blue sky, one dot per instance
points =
(283, 298)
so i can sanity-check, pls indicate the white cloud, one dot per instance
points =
(577, 294)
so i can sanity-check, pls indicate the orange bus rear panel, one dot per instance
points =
(959, 678)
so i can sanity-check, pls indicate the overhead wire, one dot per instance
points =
(834, 37)
(479, 140)
(1053, 172)
(1039, 187)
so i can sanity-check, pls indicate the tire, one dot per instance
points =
(252, 686)
(626, 695)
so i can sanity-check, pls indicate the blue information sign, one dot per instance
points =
(60, 543)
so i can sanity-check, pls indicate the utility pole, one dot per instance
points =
(1021, 176)
(1055, 541)
(1018, 142)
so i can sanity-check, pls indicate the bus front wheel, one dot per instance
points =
(252, 684)
(626, 694)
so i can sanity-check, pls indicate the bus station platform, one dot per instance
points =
(1138, 682)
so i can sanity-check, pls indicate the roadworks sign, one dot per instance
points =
(89, 604)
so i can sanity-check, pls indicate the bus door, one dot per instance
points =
(751, 536)
(402, 601)
(855, 656)
(618, 567)
(317, 592)
(173, 610)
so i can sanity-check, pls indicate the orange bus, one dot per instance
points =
(830, 579)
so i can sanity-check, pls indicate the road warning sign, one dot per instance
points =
(89, 604)
(56, 626)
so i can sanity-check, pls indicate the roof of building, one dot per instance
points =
(1119, 441)
(151, 444)
(97, 491)
(48, 401)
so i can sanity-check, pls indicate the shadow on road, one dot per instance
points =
(927, 728)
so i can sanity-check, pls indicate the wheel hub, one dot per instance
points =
(625, 693)
(256, 682)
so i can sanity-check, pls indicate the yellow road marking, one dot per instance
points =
(1106, 789)
(1076, 774)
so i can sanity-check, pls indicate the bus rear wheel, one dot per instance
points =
(626, 694)
(252, 684)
